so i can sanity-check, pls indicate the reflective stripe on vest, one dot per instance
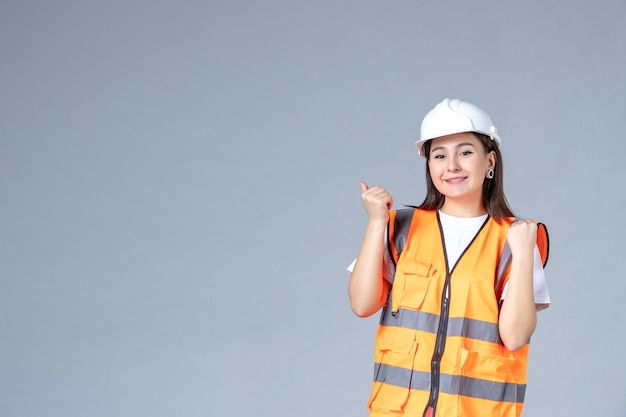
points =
(449, 359)
(451, 384)
(457, 326)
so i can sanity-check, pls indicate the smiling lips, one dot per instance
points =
(455, 180)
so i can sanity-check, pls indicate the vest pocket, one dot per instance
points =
(396, 352)
(489, 375)
(411, 284)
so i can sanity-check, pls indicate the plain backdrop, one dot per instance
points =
(179, 193)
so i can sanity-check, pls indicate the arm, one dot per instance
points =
(518, 315)
(367, 288)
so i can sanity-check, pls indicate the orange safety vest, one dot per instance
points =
(438, 348)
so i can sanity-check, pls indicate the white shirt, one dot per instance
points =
(458, 232)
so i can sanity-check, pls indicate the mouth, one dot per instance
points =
(454, 180)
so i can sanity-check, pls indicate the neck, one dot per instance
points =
(455, 208)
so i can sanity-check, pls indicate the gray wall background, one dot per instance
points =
(180, 193)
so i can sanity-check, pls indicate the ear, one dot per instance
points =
(491, 160)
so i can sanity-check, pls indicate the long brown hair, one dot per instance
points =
(494, 199)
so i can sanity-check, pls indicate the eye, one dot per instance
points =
(439, 156)
(466, 153)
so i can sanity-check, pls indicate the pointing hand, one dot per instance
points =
(377, 202)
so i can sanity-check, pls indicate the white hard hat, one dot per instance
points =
(455, 116)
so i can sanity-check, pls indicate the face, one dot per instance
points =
(458, 165)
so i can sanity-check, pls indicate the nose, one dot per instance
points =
(453, 164)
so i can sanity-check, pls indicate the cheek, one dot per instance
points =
(436, 175)
(435, 172)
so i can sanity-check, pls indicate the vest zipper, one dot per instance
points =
(442, 330)
(440, 345)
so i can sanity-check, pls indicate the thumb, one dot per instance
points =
(364, 186)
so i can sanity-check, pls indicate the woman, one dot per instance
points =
(460, 280)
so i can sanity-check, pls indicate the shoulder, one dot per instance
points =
(401, 219)
(403, 211)
(410, 212)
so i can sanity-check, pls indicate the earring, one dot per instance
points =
(490, 173)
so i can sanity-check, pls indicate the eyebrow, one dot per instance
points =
(457, 146)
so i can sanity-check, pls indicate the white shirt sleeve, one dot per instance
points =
(539, 281)
(389, 268)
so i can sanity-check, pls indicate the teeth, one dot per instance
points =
(455, 180)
